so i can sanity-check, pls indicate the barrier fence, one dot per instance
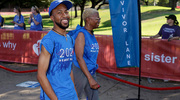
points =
(159, 58)
(112, 77)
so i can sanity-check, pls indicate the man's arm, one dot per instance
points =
(43, 65)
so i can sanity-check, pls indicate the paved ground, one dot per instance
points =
(110, 89)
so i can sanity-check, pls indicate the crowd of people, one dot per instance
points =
(35, 19)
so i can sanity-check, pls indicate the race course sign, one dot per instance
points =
(126, 32)
(160, 59)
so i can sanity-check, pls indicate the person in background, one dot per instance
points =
(35, 19)
(86, 52)
(18, 20)
(55, 61)
(170, 31)
(0, 21)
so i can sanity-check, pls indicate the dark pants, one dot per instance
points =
(82, 85)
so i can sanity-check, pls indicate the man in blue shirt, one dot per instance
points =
(54, 66)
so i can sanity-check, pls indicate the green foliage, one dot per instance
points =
(25, 3)
(164, 3)
(79, 2)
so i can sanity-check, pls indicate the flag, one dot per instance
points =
(125, 23)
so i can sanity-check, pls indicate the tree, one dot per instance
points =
(173, 4)
(81, 4)
(4, 3)
(98, 2)
(24, 3)
(146, 2)
(95, 2)
(104, 2)
(75, 10)
(154, 2)
(75, 4)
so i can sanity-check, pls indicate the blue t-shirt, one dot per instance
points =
(0, 21)
(19, 20)
(59, 70)
(167, 30)
(91, 49)
(38, 27)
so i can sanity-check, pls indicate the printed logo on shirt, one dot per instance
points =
(32, 23)
(169, 30)
(65, 55)
(95, 47)
(15, 25)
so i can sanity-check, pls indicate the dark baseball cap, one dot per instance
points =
(54, 4)
(173, 17)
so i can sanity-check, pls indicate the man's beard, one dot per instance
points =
(61, 26)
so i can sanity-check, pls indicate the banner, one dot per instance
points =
(160, 59)
(20, 46)
(125, 27)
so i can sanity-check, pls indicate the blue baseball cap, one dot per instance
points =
(54, 4)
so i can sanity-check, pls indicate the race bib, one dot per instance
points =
(32, 24)
(15, 25)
